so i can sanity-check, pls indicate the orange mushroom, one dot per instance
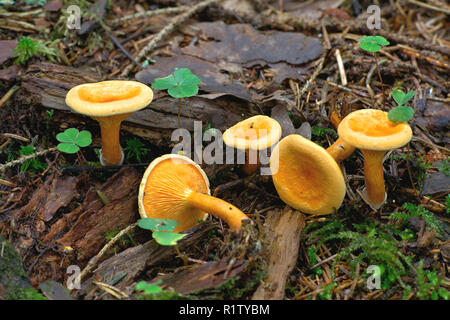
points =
(109, 102)
(175, 187)
(253, 134)
(306, 176)
(374, 134)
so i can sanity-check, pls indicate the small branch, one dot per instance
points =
(445, 10)
(341, 67)
(147, 14)
(8, 95)
(77, 169)
(93, 261)
(313, 77)
(25, 158)
(166, 31)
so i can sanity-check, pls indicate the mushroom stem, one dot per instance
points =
(340, 150)
(111, 153)
(250, 167)
(374, 178)
(218, 208)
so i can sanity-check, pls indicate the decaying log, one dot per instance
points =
(201, 276)
(42, 230)
(283, 229)
(123, 268)
(46, 85)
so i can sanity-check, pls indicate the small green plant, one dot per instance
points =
(126, 239)
(365, 241)
(320, 132)
(152, 291)
(447, 204)
(34, 165)
(374, 44)
(313, 260)
(181, 84)
(149, 288)
(429, 284)
(445, 168)
(26, 294)
(49, 118)
(413, 210)
(135, 148)
(326, 293)
(71, 140)
(401, 113)
(27, 48)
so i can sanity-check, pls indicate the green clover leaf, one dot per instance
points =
(401, 98)
(372, 43)
(401, 114)
(167, 238)
(181, 84)
(164, 83)
(72, 139)
(68, 148)
(157, 224)
(149, 288)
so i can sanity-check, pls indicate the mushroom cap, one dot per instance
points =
(257, 133)
(165, 186)
(307, 178)
(107, 98)
(370, 129)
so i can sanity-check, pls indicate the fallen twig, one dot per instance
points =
(8, 95)
(444, 9)
(166, 31)
(147, 14)
(94, 260)
(25, 158)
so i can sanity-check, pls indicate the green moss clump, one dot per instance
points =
(14, 280)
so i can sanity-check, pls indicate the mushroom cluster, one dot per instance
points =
(306, 176)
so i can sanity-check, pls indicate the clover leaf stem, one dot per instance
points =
(381, 80)
(179, 112)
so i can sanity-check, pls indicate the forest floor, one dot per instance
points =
(296, 61)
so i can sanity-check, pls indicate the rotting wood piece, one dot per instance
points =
(46, 85)
(129, 264)
(283, 229)
(29, 221)
(83, 228)
(199, 277)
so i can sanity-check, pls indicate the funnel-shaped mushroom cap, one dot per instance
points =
(108, 98)
(306, 177)
(165, 186)
(370, 129)
(257, 133)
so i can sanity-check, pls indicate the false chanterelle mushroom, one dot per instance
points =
(175, 187)
(253, 134)
(109, 102)
(374, 134)
(306, 176)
